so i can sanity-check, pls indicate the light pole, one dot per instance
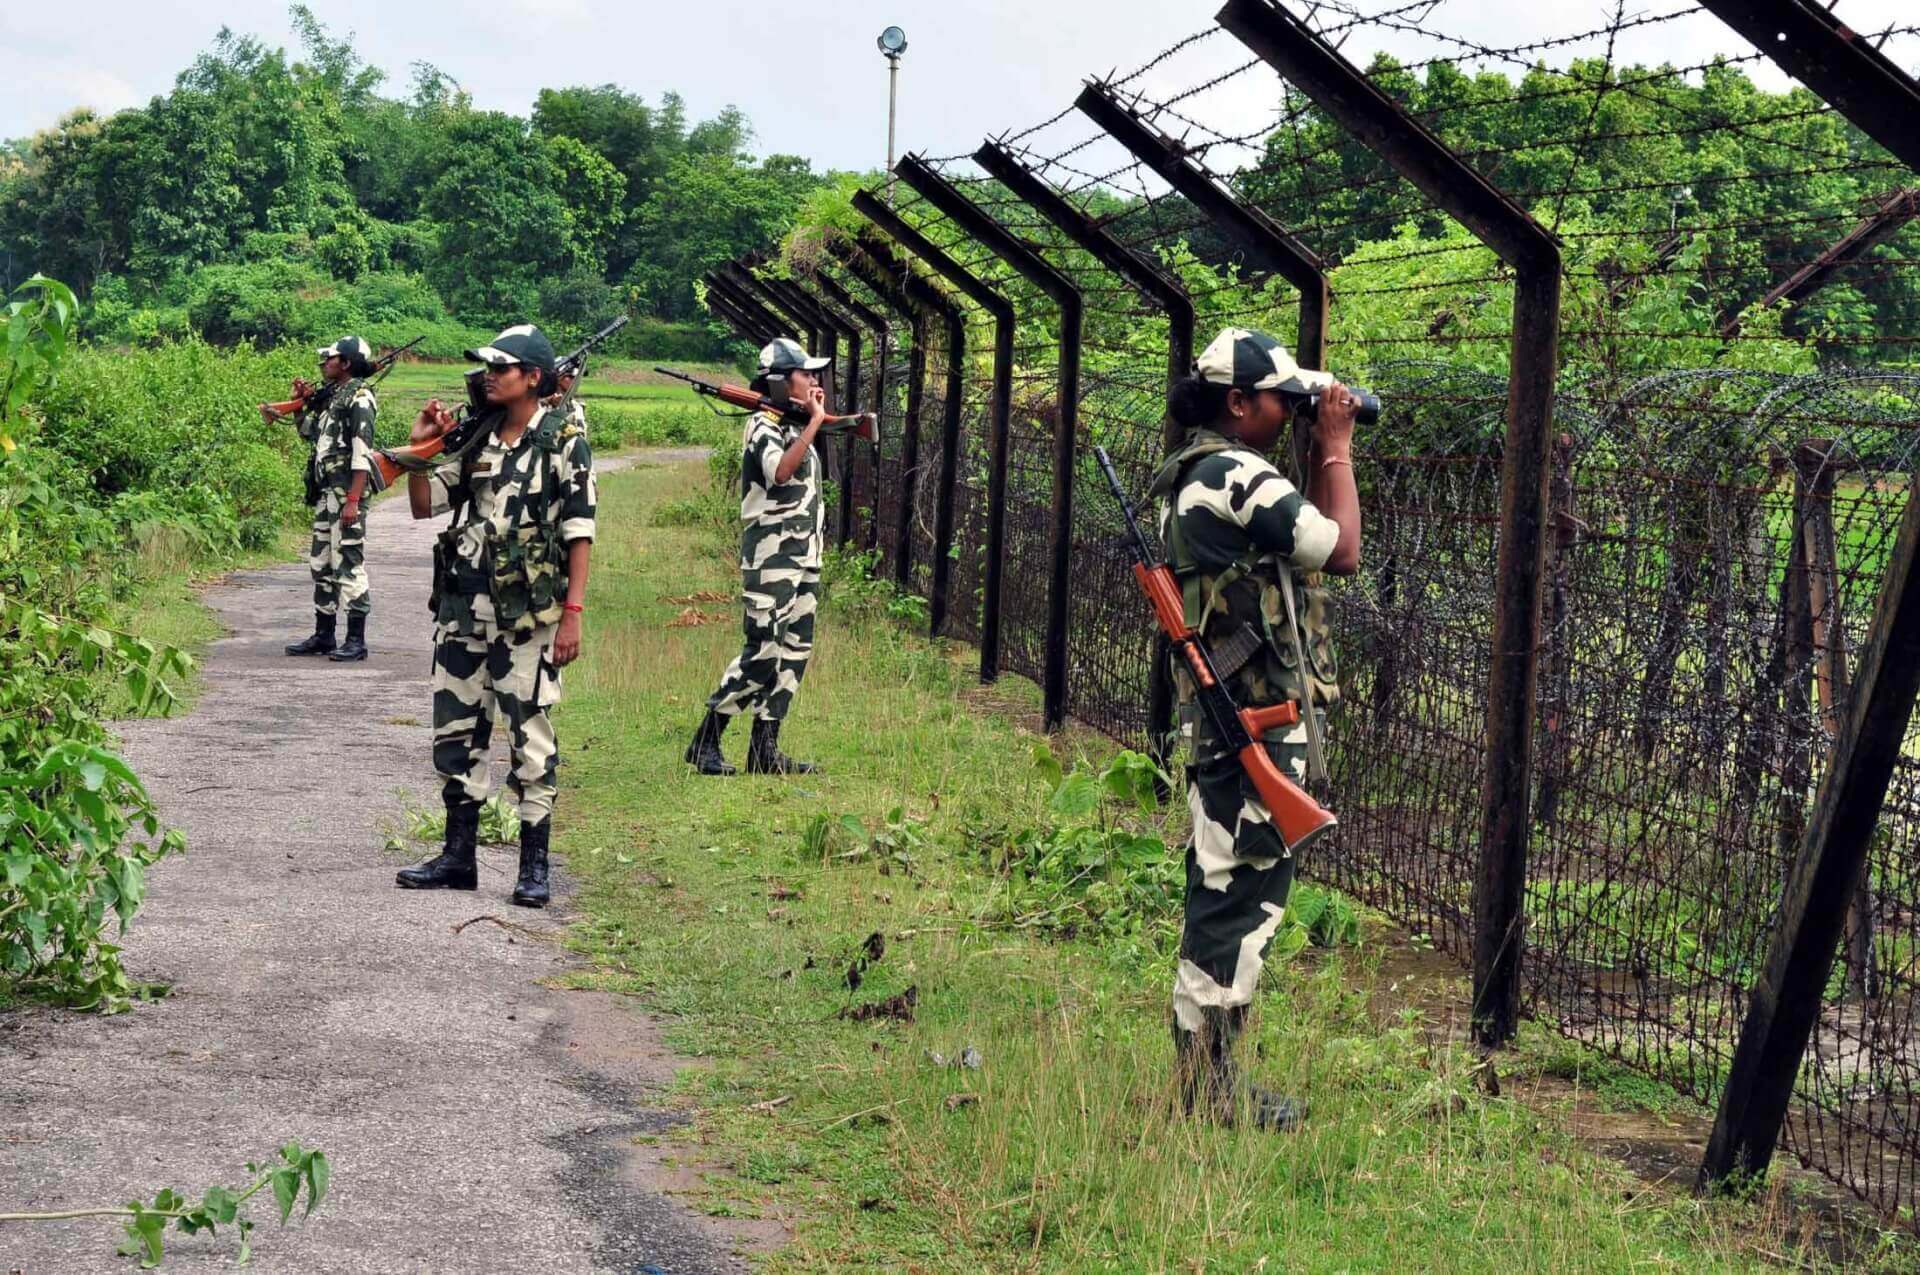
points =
(892, 42)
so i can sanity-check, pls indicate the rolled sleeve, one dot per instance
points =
(1314, 538)
(446, 487)
(580, 494)
(764, 450)
(360, 430)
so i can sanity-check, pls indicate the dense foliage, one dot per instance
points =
(77, 829)
(270, 198)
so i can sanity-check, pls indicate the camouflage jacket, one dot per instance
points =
(502, 561)
(1232, 524)
(341, 434)
(777, 516)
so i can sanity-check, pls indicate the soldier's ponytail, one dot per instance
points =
(1195, 403)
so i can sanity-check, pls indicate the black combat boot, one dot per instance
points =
(454, 867)
(322, 640)
(355, 647)
(1211, 1083)
(530, 891)
(764, 756)
(703, 754)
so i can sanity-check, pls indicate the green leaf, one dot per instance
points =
(286, 1187)
(1077, 795)
(1046, 763)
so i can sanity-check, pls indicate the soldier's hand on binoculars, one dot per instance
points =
(1338, 408)
(433, 421)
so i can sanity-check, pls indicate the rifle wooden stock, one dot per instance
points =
(1296, 816)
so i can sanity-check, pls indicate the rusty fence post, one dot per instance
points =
(936, 190)
(1379, 123)
(912, 241)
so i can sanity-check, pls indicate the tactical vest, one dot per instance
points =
(525, 570)
(1242, 611)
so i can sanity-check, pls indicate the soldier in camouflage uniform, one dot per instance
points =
(1243, 543)
(340, 428)
(780, 551)
(510, 579)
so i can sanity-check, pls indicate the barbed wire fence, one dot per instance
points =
(1623, 665)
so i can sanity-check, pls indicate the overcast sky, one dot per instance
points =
(807, 76)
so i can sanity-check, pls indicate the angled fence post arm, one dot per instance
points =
(1830, 863)
(792, 323)
(1339, 89)
(936, 190)
(998, 409)
(746, 304)
(1262, 240)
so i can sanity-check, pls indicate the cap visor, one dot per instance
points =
(492, 357)
(814, 365)
(1307, 381)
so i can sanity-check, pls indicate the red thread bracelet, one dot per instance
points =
(574, 607)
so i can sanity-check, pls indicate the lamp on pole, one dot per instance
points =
(892, 42)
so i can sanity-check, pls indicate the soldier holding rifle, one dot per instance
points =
(1241, 541)
(510, 582)
(337, 418)
(780, 550)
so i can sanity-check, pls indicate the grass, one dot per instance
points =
(711, 902)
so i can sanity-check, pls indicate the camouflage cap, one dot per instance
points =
(521, 343)
(349, 348)
(784, 354)
(1255, 361)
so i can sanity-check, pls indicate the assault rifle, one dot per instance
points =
(1299, 819)
(307, 394)
(475, 421)
(861, 424)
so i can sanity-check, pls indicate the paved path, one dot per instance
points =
(476, 1121)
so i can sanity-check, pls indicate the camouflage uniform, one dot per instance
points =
(1232, 522)
(780, 551)
(342, 437)
(499, 584)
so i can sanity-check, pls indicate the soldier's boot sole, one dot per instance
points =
(315, 645)
(348, 653)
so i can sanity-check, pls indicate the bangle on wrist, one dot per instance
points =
(574, 607)
(1336, 460)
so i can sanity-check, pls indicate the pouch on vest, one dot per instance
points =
(528, 577)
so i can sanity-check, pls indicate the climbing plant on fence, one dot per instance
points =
(77, 828)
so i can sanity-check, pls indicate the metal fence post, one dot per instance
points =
(1379, 123)
(936, 190)
(912, 241)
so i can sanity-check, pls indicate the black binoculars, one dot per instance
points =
(1366, 413)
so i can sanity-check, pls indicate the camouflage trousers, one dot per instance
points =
(338, 558)
(779, 609)
(478, 679)
(1238, 876)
